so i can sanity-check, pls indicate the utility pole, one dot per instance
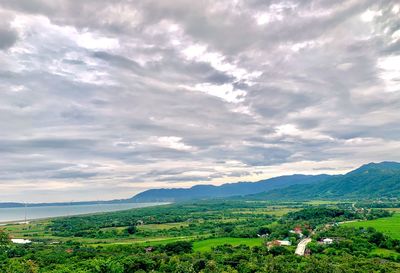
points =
(25, 218)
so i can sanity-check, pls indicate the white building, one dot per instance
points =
(284, 243)
(21, 241)
(327, 241)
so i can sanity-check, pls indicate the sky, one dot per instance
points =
(104, 99)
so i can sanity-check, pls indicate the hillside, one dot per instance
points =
(369, 181)
(226, 190)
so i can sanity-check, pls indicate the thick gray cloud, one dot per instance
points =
(7, 38)
(114, 97)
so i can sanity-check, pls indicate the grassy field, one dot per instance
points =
(31, 230)
(35, 230)
(145, 241)
(322, 202)
(385, 252)
(163, 226)
(393, 209)
(389, 226)
(206, 245)
(272, 210)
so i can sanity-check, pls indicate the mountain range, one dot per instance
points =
(226, 190)
(373, 180)
(368, 181)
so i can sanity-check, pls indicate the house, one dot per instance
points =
(149, 249)
(21, 241)
(298, 231)
(139, 222)
(278, 243)
(285, 242)
(327, 241)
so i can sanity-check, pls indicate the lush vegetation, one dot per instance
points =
(208, 236)
(374, 180)
(389, 225)
(218, 218)
(225, 190)
(209, 244)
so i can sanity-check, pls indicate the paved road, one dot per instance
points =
(301, 247)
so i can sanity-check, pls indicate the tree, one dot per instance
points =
(264, 231)
(4, 238)
(131, 230)
(278, 250)
(23, 266)
(99, 265)
(179, 247)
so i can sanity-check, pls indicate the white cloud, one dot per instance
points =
(369, 15)
(94, 41)
(224, 91)
(171, 142)
(292, 131)
(390, 72)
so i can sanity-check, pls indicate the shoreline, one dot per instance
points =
(28, 220)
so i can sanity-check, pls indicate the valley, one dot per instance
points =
(271, 231)
(213, 231)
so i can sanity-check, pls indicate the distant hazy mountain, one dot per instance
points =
(225, 190)
(20, 205)
(369, 181)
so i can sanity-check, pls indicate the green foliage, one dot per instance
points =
(4, 238)
(320, 214)
(387, 225)
(178, 247)
(200, 218)
(369, 181)
(208, 237)
(131, 230)
(208, 244)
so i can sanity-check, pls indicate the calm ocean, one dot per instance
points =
(18, 214)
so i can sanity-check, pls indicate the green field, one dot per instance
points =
(392, 209)
(389, 226)
(206, 245)
(145, 241)
(385, 252)
(163, 226)
(322, 202)
(271, 210)
(211, 237)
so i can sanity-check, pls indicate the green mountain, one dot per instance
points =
(369, 181)
(372, 180)
(225, 190)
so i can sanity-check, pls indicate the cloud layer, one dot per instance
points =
(103, 99)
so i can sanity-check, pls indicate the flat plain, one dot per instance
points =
(389, 225)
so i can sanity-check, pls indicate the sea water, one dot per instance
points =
(31, 213)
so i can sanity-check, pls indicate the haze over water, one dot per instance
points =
(18, 214)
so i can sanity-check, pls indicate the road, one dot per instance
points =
(301, 247)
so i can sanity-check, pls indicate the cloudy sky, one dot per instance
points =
(103, 99)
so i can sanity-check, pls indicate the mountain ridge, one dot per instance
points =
(225, 190)
(371, 180)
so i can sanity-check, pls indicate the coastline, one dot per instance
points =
(67, 213)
